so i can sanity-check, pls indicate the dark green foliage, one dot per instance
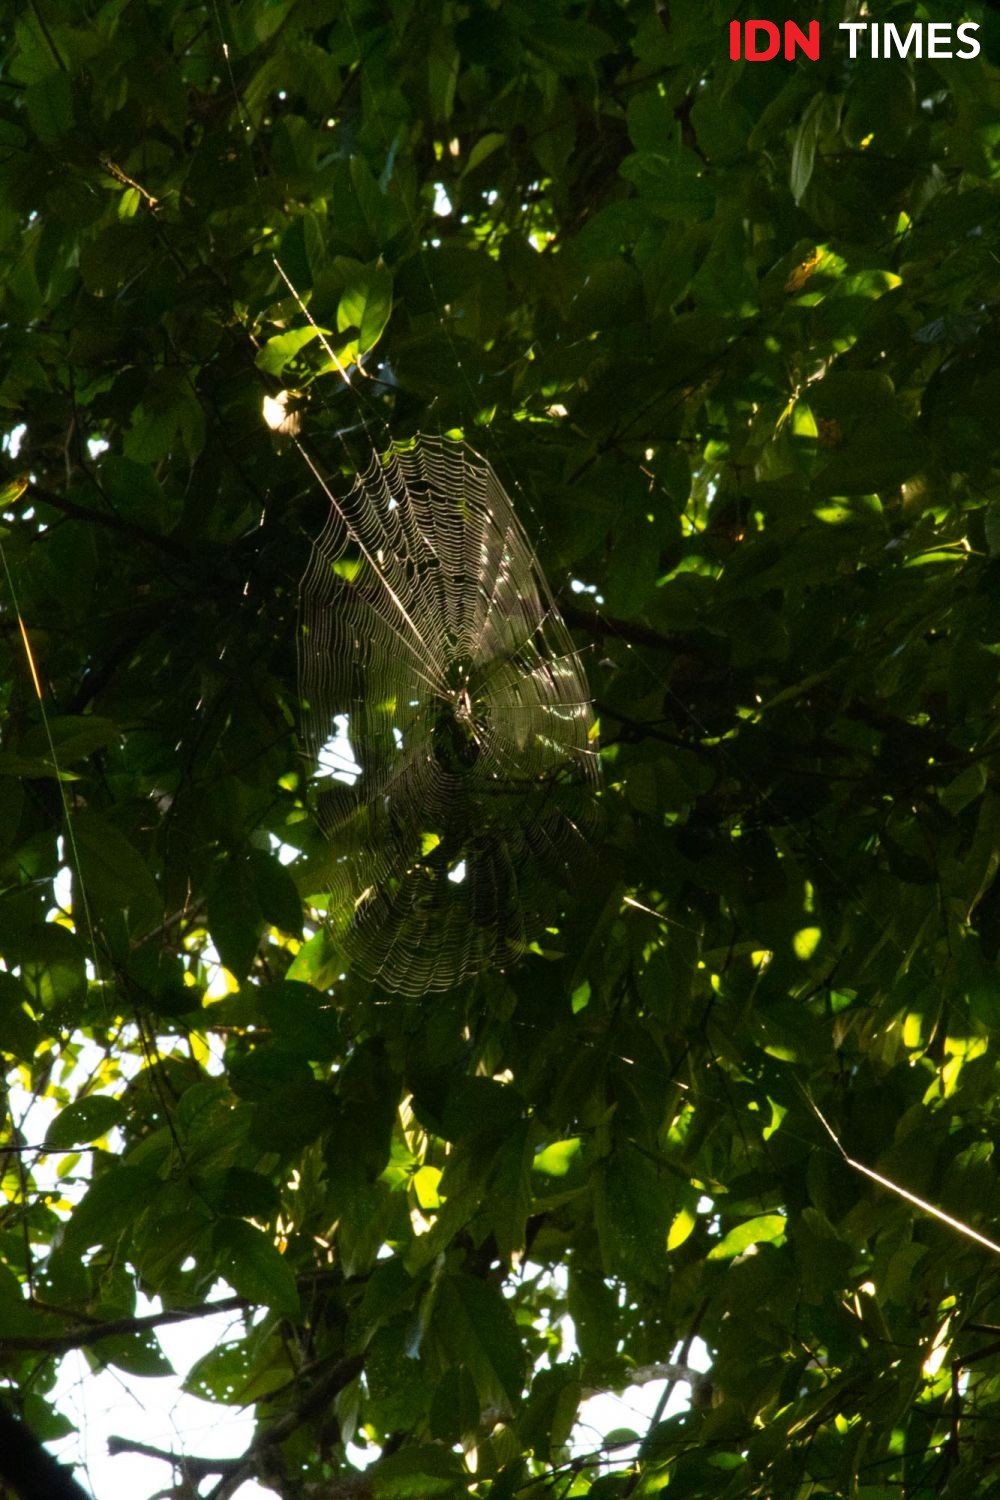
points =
(728, 335)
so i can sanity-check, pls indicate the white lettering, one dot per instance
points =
(853, 27)
(972, 42)
(902, 45)
(939, 39)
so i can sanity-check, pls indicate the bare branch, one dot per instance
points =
(234, 1471)
(83, 1338)
(646, 1374)
(188, 1467)
(93, 1333)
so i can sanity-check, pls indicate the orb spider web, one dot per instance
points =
(448, 719)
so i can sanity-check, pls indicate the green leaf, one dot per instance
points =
(632, 1205)
(33, 59)
(551, 1409)
(163, 1241)
(16, 1315)
(114, 256)
(277, 896)
(46, 1424)
(557, 1159)
(366, 303)
(651, 122)
(510, 1192)
(593, 1306)
(114, 875)
(234, 1374)
(136, 492)
(964, 789)
(137, 1353)
(282, 350)
(253, 1266)
(763, 1230)
(476, 1328)
(19, 1034)
(85, 1120)
(477, 1106)
(318, 962)
(30, 767)
(241, 1193)
(417, 1471)
(169, 410)
(674, 185)
(681, 1228)
(234, 916)
(75, 736)
(49, 104)
(302, 1020)
(487, 143)
(111, 1206)
(804, 146)
(571, 45)
(288, 1118)
(455, 1409)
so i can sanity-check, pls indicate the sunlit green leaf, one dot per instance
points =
(763, 1230)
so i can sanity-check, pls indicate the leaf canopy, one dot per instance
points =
(727, 335)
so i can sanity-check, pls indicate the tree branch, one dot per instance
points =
(598, 625)
(316, 1400)
(189, 1468)
(93, 1333)
(234, 1471)
(113, 522)
(83, 1338)
(646, 1374)
(28, 1468)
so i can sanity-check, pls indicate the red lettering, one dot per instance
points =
(760, 41)
(795, 38)
(751, 31)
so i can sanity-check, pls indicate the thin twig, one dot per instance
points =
(114, 170)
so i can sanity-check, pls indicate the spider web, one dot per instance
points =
(448, 718)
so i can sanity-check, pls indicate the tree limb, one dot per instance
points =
(234, 1471)
(646, 1374)
(189, 1468)
(316, 1399)
(108, 519)
(93, 1333)
(28, 1468)
(83, 1338)
(598, 624)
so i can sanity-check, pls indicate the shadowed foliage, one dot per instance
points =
(727, 336)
